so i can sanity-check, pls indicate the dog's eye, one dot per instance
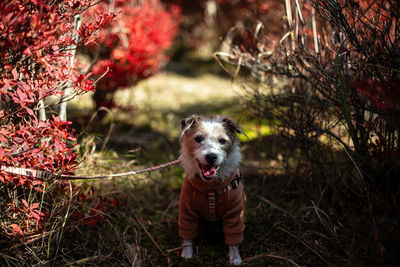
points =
(222, 141)
(199, 139)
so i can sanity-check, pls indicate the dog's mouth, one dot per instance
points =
(208, 171)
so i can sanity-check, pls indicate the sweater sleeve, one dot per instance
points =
(188, 218)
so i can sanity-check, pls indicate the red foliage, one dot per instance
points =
(36, 65)
(375, 13)
(384, 96)
(92, 207)
(33, 218)
(35, 50)
(133, 46)
(45, 145)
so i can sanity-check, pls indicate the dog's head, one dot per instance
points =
(210, 147)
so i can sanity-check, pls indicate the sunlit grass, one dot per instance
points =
(253, 131)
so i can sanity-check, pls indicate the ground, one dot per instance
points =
(295, 213)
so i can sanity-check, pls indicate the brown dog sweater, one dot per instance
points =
(212, 201)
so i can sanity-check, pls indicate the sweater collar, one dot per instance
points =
(201, 185)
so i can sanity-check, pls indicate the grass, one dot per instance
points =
(297, 214)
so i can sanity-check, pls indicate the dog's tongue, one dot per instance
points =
(208, 171)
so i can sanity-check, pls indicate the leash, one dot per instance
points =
(45, 175)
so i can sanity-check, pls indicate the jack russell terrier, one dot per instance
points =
(212, 188)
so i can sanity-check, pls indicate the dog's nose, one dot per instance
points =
(211, 158)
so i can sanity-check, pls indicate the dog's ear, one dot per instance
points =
(189, 122)
(232, 126)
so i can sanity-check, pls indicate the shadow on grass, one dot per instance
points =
(196, 67)
(297, 214)
(159, 133)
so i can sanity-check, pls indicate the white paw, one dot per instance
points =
(187, 252)
(234, 256)
(187, 249)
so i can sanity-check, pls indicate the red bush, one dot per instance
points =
(35, 47)
(133, 46)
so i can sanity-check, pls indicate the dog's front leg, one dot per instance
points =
(187, 249)
(234, 255)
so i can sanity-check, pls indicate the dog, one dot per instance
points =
(212, 188)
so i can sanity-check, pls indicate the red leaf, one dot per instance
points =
(3, 139)
(30, 111)
(36, 214)
(25, 203)
(16, 229)
(115, 202)
(21, 95)
(14, 73)
(38, 189)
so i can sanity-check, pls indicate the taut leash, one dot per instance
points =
(45, 175)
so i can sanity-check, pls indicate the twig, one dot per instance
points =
(65, 219)
(218, 55)
(314, 28)
(167, 209)
(326, 223)
(151, 237)
(273, 205)
(109, 132)
(299, 12)
(8, 257)
(270, 256)
(81, 261)
(102, 76)
(289, 14)
(94, 115)
(32, 252)
(303, 242)
(31, 239)
(173, 249)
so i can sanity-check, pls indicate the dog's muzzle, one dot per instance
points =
(208, 171)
